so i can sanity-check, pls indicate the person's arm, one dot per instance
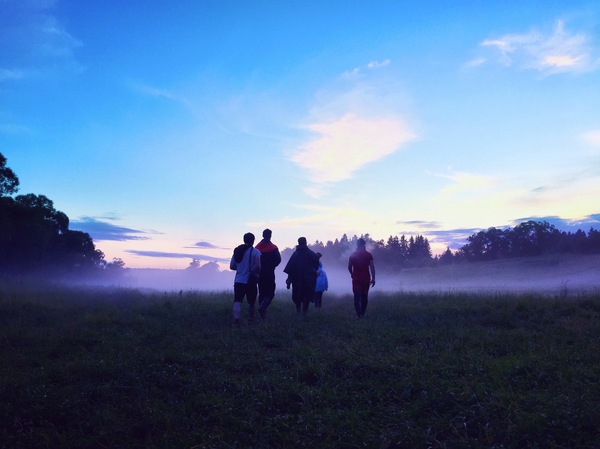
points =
(372, 268)
(277, 258)
(350, 266)
(232, 264)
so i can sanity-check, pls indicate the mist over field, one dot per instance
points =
(547, 274)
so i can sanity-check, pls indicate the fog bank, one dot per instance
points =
(548, 274)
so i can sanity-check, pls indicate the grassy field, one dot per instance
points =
(110, 368)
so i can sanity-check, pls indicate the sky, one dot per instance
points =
(166, 130)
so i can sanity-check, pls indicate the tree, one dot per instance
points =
(35, 237)
(9, 183)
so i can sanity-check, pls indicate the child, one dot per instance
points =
(322, 284)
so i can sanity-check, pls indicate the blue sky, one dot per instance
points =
(168, 129)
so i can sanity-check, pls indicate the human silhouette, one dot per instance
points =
(246, 263)
(270, 258)
(302, 275)
(362, 270)
(322, 283)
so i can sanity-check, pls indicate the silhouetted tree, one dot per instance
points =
(34, 236)
(9, 183)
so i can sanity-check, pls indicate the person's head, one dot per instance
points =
(361, 243)
(267, 233)
(249, 238)
(302, 241)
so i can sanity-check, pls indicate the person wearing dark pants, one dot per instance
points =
(302, 275)
(362, 271)
(246, 263)
(270, 258)
(321, 285)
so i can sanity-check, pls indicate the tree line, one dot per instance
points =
(530, 238)
(35, 237)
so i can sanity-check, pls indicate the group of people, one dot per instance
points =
(255, 275)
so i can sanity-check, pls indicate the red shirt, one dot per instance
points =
(360, 261)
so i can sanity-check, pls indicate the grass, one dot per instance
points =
(110, 368)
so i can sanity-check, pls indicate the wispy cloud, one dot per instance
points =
(372, 65)
(175, 255)
(206, 245)
(151, 91)
(593, 138)
(420, 224)
(556, 51)
(102, 230)
(378, 64)
(6, 74)
(40, 44)
(463, 182)
(348, 143)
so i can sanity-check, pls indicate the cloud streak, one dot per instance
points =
(175, 255)
(348, 143)
(558, 51)
(101, 230)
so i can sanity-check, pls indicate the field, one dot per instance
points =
(124, 368)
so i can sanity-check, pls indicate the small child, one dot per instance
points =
(322, 284)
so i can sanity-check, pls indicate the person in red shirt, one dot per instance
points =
(362, 270)
(270, 258)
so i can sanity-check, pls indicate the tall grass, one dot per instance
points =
(110, 368)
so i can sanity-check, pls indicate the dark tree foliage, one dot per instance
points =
(35, 237)
(390, 255)
(530, 238)
(9, 183)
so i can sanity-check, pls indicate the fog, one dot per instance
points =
(549, 274)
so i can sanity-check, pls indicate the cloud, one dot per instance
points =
(593, 138)
(558, 51)
(463, 182)
(101, 230)
(36, 43)
(378, 64)
(420, 224)
(373, 65)
(348, 143)
(6, 74)
(169, 255)
(156, 92)
(452, 238)
(205, 245)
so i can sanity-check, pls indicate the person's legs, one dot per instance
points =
(318, 299)
(239, 291)
(296, 297)
(266, 294)
(357, 303)
(364, 302)
(308, 291)
(251, 293)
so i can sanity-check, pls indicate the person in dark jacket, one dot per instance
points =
(270, 258)
(302, 275)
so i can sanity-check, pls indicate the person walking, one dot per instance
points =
(362, 271)
(322, 283)
(246, 263)
(302, 275)
(270, 258)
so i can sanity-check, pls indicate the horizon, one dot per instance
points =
(168, 131)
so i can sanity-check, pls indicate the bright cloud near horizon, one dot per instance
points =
(169, 130)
